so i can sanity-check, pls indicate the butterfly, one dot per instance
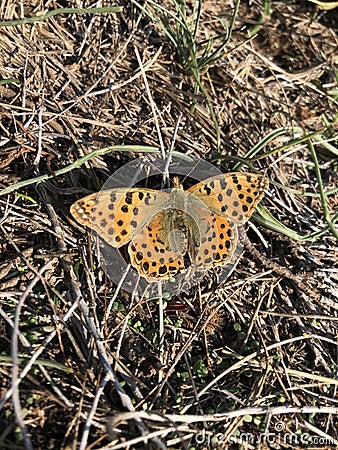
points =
(169, 232)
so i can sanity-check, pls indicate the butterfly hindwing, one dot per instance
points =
(157, 250)
(219, 244)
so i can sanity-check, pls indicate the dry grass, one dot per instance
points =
(255, 357)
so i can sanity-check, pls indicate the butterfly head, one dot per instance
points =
(177, 184)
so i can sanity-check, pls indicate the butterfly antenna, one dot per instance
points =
(190, 171)
(165, 180)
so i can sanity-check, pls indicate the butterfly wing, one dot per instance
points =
(232, 195)
(157, 251)
(117, 215)
(218, 244)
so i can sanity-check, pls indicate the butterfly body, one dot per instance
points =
(171, 231)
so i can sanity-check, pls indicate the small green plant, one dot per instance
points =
(200, 368)
(184, 376)
(152, 336)
(117, 306)
(33, 398)
(137, 325)
(32, 338)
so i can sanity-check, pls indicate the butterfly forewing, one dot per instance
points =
(119, 214)
(232, 195)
